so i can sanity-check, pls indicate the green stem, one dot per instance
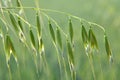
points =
(55, 11)
(35, 62)
(10, 75)
(37, 3)
(46, 64)
(81, 19)
(92, 67)
(59, 62)
(65, 67)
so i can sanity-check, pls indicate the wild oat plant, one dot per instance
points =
(43, 50)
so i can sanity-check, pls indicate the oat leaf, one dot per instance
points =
(59, 40)
(32, 38)
(71, 30)
(7, 47)
(70, 52)
(38, 24)
(20, 24)
(51, 31)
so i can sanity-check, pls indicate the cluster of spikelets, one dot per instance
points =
(88, 38)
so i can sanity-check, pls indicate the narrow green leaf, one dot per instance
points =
(92, 39)
(32, 38)
(71, 30)
(20, 24)
(13, 21)
(107, 47)
(51, 31)
(38, 24)
(84, 35)
(70, 52)
(7, 47)
(59, 40)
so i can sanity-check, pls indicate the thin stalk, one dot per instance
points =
(10, 74)
(60, 12)
(18, 71)
(36, 64)
(64, 65)
(78, 18)
(72, 69)
(46, 64)
(37, 4)
(92, 67)
(73, 73)
(59, 62)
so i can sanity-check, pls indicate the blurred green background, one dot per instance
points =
(103, 12)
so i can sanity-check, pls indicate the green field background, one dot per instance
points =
(103, 12)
